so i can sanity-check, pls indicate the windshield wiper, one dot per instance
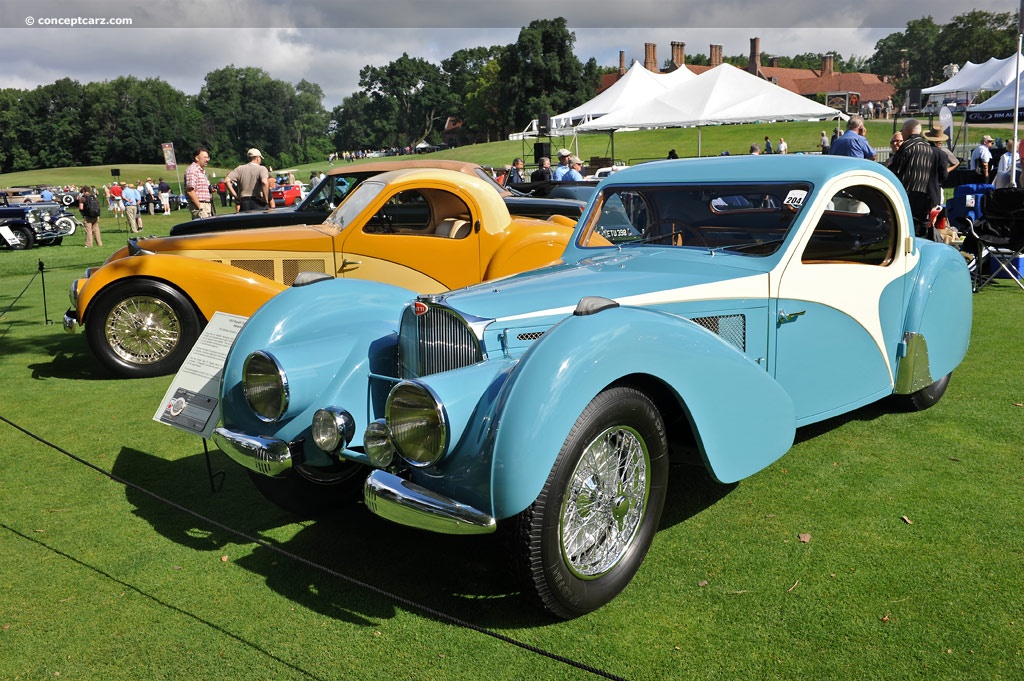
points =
(752, 244)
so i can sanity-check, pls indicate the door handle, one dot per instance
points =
(784, 318)
(348, 263)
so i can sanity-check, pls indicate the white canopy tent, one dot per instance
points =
(996, 109)
(995, 74)
(724, 94)
(637, 84)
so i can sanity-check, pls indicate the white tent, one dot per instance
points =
(637, 84)
(998, 108)
(724, 94)
(995, 74)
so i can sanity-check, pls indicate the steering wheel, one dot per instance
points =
(673, 232)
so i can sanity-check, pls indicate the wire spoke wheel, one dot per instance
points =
(142, 329)
(584, 537)
(605, 502)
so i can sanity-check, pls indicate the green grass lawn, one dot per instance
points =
(911, 568)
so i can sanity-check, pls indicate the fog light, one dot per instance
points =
(377, 443)
(333, 428)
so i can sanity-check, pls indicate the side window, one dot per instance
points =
(407, 212)
(859, 226)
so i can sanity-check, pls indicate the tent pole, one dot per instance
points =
(1016, 96)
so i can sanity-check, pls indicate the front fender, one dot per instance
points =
(742, 418)
(212, 286)
(329, 337)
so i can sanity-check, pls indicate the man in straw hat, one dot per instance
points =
(938, 138)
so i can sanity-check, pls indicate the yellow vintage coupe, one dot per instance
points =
(427, 230)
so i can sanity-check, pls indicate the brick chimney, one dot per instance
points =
(716, 55)
(651, 57)
(774, 62)
(754, 65)
(678, 52)
(622, 62)
(827, 63)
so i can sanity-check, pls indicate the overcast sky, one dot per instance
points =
(327, 42)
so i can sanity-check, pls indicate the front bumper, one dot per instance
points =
(266, 455)
(407, 503)
(71, 320)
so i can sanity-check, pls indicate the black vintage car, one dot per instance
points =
(31, 224)
(322, 200)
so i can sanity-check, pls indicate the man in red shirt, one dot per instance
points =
(117, 198)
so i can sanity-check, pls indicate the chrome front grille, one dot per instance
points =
(438, 340)
(732, 328)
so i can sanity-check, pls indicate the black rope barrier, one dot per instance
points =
(400, 600)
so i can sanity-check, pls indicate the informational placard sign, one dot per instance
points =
(169, 161)
(192, 402)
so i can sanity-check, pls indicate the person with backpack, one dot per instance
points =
(90, 207)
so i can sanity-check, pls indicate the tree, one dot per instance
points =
(474, 84)
(418, 94)
(539, 73)
(977, 36)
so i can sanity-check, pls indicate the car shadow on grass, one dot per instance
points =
(349, 565)
(71, 357)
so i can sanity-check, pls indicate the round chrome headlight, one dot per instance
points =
(265, 386)
(333, 428)
(418, 423)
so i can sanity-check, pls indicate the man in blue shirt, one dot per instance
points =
(562, 168)
(853, 142)
(132, 199)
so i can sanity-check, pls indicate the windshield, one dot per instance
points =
(330, 192)
(354, 203)
(752, 219)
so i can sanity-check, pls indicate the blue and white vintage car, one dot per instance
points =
(742, 298)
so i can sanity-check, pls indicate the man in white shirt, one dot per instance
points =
(981, 159)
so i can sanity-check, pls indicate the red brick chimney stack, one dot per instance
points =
(622, 62)
(827, 64)
(716, 55)
(754, 65)
(678, 52)
(651, 57)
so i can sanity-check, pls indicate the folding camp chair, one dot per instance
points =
(998, 236)
(962, 211)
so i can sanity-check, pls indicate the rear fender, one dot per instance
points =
(742, 418)
(940, 312)
(211, 286)
(527, 249)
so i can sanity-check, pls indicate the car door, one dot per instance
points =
(840, 305)
(421, 239)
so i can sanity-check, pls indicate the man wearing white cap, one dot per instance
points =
(981, 159)
(563, 165)
(249, 183)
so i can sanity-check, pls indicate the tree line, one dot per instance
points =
(490, 91)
